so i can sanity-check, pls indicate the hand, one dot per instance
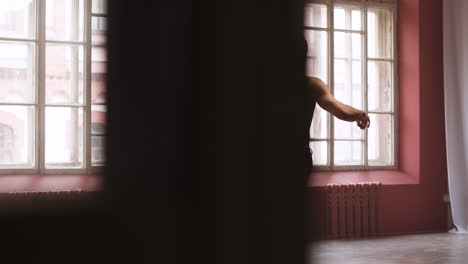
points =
(363, 121)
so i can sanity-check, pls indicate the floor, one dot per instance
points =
(440, 248)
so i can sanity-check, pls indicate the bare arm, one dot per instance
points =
(342, 111)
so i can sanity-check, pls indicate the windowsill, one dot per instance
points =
(386, 177)
(48, 183)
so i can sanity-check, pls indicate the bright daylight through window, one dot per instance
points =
(351, 48)
(52, 86)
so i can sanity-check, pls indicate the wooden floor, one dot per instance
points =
(440, 248)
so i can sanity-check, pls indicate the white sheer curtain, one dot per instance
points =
(456, 108)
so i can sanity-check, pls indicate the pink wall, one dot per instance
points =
(417, 207)
(409, 75)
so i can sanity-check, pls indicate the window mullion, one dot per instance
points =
(87, 72)
(65, 42)
(40, 121)
(75, 94)
(75, 80)
(349, 56)
(365, 83)
(97, 14)
(396, 97)
(24, 40)
(331, 80)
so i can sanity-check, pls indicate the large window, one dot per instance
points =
(52, 86)
(351, 48)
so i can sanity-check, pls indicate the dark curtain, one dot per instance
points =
(208, 132)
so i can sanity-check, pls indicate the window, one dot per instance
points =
(52, 111)
(351, 48)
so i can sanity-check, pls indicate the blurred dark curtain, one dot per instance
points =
(208, 132)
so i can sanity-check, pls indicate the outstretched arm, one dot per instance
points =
(342, 111)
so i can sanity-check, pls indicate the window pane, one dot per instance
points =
(347, 130)
(319, 151)
(356, 19)
(64, 20)
(99, 29)
(347, 45)
(98, 119)
(380, 33)
(348, 153)
(64, 74)
(16, 18)
(315, 15)
(380, 134)
(98, 156)
(99, 7)
(380, 95)
(356, 46)
(347, 69)
(340, 20)
(319, 126)
(317, 61)
(348, 86)
(347, 17)
(17, 72)
(64, 137)
(98, 74)
(17, 136)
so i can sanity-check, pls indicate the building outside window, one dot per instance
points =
(351, 47)
(6, 143)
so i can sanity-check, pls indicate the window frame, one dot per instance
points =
(39, 26)
(364, 6)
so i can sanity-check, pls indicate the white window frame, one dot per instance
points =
(39, 26)
(364, 5)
